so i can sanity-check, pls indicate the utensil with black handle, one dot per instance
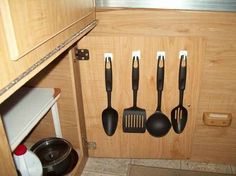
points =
(109, 115)
(158, 124)
(179, 115)
(134, 118)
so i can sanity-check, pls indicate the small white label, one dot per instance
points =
(162, 54)
(136, 54)
(107, 55)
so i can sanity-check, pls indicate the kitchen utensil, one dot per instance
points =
(158, 123)
(109, 115)
(179, 114)
(56, 155)
(134, 118)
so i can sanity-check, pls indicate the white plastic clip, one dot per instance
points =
(161, 54)
(136, 54)
(183, 53)
(107, 55)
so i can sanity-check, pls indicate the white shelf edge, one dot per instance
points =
(16, 140)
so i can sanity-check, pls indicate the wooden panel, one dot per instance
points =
(218, 81)
(6, 162)
(75, 72)
(217, 95)
(166, 23)
(94, 95)
(13, 72)
(63, 74)
(28, 24)
(53, 76)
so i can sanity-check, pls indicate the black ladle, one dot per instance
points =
(158, 123)
(179, 114)
(109, 115)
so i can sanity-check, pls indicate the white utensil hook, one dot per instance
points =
(161, 54)
(183, 53)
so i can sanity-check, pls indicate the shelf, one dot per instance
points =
(23, 110)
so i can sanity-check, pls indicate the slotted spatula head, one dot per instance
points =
(134, 119)
(179, 117)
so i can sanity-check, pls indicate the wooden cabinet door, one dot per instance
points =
(29, 23)
(34, 32)
(131, 145)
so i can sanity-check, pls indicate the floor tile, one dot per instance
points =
(175, 164)
(208, 167)
(107, 166)
(154, 171)
(87, 173)
(233, 167)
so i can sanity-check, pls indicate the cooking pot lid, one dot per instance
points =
(51, 151)
(72, 163)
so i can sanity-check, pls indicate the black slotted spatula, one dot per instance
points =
(134, 118)
(179, 114)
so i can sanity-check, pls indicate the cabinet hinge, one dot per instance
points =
(89, 145)
(82, 54)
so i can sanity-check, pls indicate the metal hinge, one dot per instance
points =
(82, 54)
(89, 145)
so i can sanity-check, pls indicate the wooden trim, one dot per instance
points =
(6, 162)
(76, 82)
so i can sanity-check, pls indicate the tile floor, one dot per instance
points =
(119, 167)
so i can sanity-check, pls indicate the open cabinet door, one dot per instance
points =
(139, 145)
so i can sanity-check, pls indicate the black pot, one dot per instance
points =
(56, 155)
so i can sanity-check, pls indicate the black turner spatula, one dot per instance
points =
(134, 118)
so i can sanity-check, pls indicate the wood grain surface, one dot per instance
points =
(6, 162)
(61, 73)
(58, 75)
(94, 94)
(28, 24)
(218, 70)
(10, 70)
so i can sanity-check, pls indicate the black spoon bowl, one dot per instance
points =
(158, 124)
(109, 120)
(109, 115)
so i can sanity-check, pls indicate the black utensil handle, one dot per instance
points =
(182, 77)
(108, 79)
(182, 72)
(160, 80)
(160, 73)
(135, 78)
